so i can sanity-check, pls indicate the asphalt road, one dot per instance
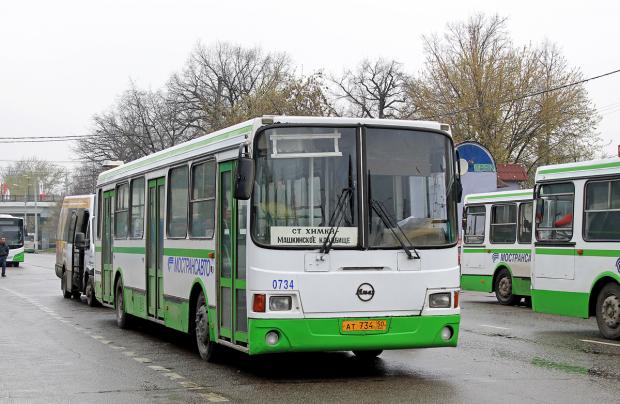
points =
(58, 350)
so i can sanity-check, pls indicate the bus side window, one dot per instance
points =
(202, 200)
(177, 202)
(98, 210)
(136, 209)
(503, 223)
(476, 220)
(121, 211)
(602, 211)
(525, 222)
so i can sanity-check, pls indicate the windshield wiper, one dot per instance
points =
(390, 224)
(335, 220)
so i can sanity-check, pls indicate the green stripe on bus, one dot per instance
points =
(572, 304)
(555, 251)
(496, 250)
(129, 250)
(504, 195)
(573, 251)
(188, 252)
(580, 168)
(477, 283)
(98, 248)
(171, 153)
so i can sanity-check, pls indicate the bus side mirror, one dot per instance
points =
(80, 240)
(245, 176)
(459, 191)
(540, 210)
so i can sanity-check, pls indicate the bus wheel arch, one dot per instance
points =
(599, 284)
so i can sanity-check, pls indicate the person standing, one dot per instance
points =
(4, 252)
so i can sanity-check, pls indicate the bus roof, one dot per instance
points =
(78, 201)
(581, 169)
(501, 196)
(235, 134)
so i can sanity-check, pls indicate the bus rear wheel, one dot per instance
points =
(91, 300)
(122, 318)
(503, 288)
(368, 355)
(208, 350)
(608, 311)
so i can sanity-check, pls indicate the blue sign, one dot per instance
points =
(477, 156)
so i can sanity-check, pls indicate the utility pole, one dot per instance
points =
(36, 217)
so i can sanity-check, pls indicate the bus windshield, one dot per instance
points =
(301, 172)
(11, 229)
(410, 173)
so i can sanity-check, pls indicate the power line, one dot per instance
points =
(44, 137)
(534, 94)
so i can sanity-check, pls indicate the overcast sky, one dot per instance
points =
(63, 61)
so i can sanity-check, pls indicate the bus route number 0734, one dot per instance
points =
(282, 284)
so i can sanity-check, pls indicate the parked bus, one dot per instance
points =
(497, 242)
(288, 234)
(576, 262)
(12, 228)
(75, 248)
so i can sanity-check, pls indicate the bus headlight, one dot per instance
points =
(280, 303)
(439, 300)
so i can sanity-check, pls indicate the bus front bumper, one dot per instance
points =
(19, 257)
(325, 334)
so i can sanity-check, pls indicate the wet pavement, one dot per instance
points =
(58, 350)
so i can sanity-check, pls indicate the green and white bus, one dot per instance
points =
(12, 228)
(576, 260)
(288, 234)
(497, 243)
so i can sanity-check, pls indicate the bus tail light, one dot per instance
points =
(439, 300)
(258, 304)
(456, 299)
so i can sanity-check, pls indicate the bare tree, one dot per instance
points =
(215, 79)
(142, 123)
(375, 89)
(23, 176)
(518, 102)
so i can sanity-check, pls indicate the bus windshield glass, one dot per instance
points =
(11, 229)
(411, 174)
(301, 173)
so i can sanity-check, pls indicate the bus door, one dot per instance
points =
(107, 242)
(155, 247)
(232, 311)
(79, 226)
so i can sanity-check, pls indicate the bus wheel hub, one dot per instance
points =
(504, 287)
(611, 311)
(202, 330)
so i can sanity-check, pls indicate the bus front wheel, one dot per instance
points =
(503, 288)
(208, 350)
(608, 311)
(63, 284)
